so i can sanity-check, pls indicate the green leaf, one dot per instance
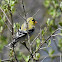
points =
(28, 57)
(3, 41)
(1, 47)
(60, 34)
(37, 56)
(12, 2)
(48, 21)
(50, 29)
(51, 51)
(49, 43)
(52, 12)
(60, 44)
(4, 18)
(51, 22)
(1, 28)
(60, 23)
(19, 55)
(47, 3)
(55, 26)
(60, 4)
(37, 43)
(16, 26)
(42, 32)
(38, 40)
(45, 29)
(1, 22)
(61, 31)
(58, 13)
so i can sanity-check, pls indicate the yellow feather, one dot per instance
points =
(30, 24)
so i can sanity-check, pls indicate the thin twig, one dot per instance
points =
(21, 16)
(24, 9)
(44, 59)
(11, 17)
(7, 25)
(44, 42)
(12, 29)
(55, 42)
(36, 12)
(53, 55)
(35, 38)
(5, 60)
(47, 38)
(43, 47)
(55, 35)
(5, 15)
(27, 25)
(60, 57)
(15, 54)
(51, 35)
(27, 30)
(40, 33)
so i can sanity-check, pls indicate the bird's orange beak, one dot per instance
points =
(35, 21)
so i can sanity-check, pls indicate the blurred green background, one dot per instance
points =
(49, 18)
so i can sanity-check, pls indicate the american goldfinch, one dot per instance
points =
(28, 27)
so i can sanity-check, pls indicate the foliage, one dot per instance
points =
(54, 20)
(60, 44)
(54, 11)
(3, 20)
(37, 43)
(37, 56)
(51, 52)
(16, 26)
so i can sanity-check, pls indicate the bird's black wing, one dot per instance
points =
(19, 34)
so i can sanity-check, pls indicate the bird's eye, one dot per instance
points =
(20, 27)
(32, 20)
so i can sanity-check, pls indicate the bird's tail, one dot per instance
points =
(12, 44)
(14, 41)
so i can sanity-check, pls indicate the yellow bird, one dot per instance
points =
(22, 32)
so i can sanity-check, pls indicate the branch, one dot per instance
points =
(60, 57)
(12, 29)
(44, 42)
(35, 38)
(15, 54)
(11, 17)
(51, 36)
(7, 25)
(21, 16)
(47, 39)
(53, 55)
(5, 15)
(36, 12)
(5, 60)
(44, 47)
(27, 26)
(44, 59)
(24, 9)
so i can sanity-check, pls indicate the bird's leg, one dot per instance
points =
(24, 43)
